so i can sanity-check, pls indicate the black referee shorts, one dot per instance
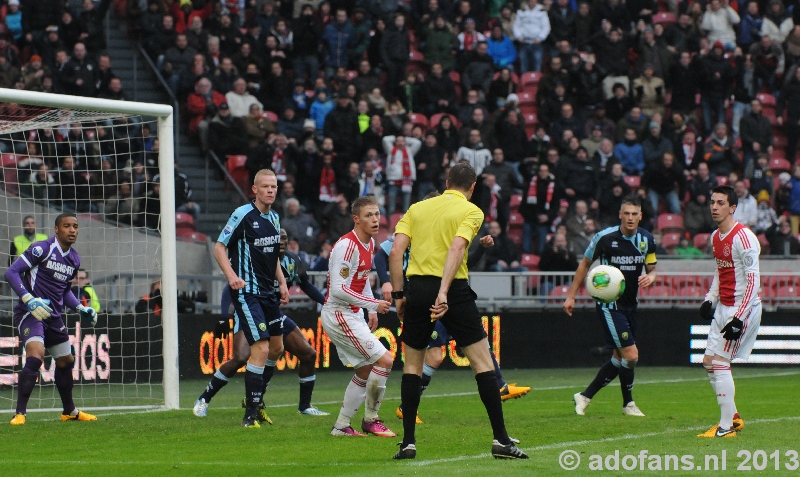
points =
(462, 319)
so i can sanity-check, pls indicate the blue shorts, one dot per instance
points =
(619, 327)
(287, 325)
(259, 317)
(440, 336)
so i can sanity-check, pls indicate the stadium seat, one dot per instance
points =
(669, 223)
(527, 99)
(455, 77)
(529, 78)
(657, 291)
(437, 118)
(350, 74)
(240, 175)
(722, 181)
(787, 295)
(8, 172)
(530, 261)
(515, 220)
(528, 109)
(701, 241)
(296, 291)
(420, 119)
(515, 234)
(184, 221)
(767, 100)
(382, 235)
(664, 18)
(271, 116)
(779, 165)
(671, 240)
(762, 239)
(190, 235)
(531, 123)
(393, 220)
(633, 181)
(691, 293)
(516, 200)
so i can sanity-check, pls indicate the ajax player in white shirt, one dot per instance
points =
(734, 293)
(343, 320)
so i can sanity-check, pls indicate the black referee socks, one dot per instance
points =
(409, 396)
(490, 395)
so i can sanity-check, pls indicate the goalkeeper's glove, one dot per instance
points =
(223, 327)
(88, 315)
(733, 330)
(706, 311)
(39, 307)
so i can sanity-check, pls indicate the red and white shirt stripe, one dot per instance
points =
(738, 279)
(348, 275)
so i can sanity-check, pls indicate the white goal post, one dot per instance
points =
(45, 110)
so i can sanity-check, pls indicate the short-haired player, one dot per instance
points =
(343, 320)
(734, 294)
(631, 249)
(42, 278)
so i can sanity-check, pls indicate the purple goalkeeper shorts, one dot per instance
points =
(50, 332)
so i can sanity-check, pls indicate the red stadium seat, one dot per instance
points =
(722, 180)
(701, 241)
(779, 165)
(393, 220)
(420, 119)
(515, 234)
(671, 240)
(669, 222)
(527, 109)
(416, 62)
(516, 200)
(664, 18)
(455, 77)
(8, 172)
(437, 118)
(529, 78)
(633, 181)
(236, 169)
(691, 292)
(527, 99)
(191, 235)
(350, 74)
(530, 261)
(515, 220)
(787, 295)
(184, 221)
(271, 116)
(657, 291)
(767, 100)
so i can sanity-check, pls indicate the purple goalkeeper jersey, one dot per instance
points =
(45, 271)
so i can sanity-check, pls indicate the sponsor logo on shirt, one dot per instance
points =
(642, 246)
(37, 251)
(614, 244)
(726, 251)
(227, 230)
(344, 272)
(255, 225)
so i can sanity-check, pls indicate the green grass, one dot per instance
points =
(454, 440)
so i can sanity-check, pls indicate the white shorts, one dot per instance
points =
(355, 343)
(741, 348)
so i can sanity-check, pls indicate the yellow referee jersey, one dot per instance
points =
(432, 225)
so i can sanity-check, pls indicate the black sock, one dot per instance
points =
(64, 384)
(253, 384)
(607, 373)
(409, 396)
(487, 388)
(213, 387)
(269, 371)
(306, 390)
(26, 381)
(626, 382)
(500, 381)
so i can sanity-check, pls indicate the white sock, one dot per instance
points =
(725, 393)
(711, 378)
(353, 397)
(376, 388)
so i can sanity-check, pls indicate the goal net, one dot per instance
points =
(99, 159)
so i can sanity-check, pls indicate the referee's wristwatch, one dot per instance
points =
(398, 295)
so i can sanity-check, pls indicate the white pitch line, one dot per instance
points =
(561, 445)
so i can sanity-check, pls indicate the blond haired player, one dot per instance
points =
(734, 293)
(343, 320)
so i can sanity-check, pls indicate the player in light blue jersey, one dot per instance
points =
(631, 249)
(42, 277)
(248, 253)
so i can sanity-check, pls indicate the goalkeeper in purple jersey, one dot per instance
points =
(42, 277)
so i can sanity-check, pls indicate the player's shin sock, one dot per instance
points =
(269, 371)
(711, 378)
(500, 381)
(425, 380)
(253, 385)
(626, 382)
(306, 390)
(26, 382)
(410, 394)
(376, 388)
(353, 397)
(63, 379)
(487, 389)
(607, 373)
(726, 392)
(218, 381)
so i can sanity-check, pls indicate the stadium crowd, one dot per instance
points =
(562, 107)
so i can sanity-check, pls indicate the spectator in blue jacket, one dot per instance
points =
(501, 49)
(749, 26)
(320, 108)
(339, 37)
(14, 19)
(630, 153)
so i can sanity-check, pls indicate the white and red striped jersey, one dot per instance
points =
(348, 274)
(738, 280)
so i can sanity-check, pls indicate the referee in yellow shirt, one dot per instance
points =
(441, 230)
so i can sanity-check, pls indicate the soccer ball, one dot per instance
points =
(605, 283)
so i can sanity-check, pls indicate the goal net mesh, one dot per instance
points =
(103, 167)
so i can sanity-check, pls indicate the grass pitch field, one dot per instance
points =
(455, 439)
